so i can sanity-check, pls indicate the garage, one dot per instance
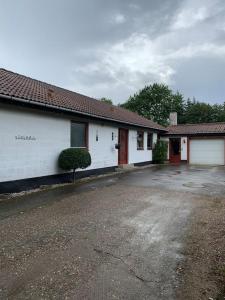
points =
(200, 144)
(206, 151)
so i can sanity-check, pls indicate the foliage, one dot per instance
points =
(72, 159)
(155, 102)
(200, 112)
(160, 152)
(106, 100)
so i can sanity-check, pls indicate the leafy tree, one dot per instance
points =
(155, 102)
(106, 100)
(72, 159)
(200, 112)
(218, 112)
(197, 112)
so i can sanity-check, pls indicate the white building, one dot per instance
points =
(38, 121)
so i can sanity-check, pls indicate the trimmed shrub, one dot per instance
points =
(160, 152)
(73, 159)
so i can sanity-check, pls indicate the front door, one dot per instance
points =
(175, 156)
(123, 147)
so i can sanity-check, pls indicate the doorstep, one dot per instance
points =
(126, 167)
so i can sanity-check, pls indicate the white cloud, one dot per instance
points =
(121, 46)
(131, 63)
(190, 51)
(121, 68)
(137, 61)
(118, 19)
(189, 17)
(134, 58)
(193, 12)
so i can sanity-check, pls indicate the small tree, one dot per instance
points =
(73, 159)
(160, 152)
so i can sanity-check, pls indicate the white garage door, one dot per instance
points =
(207, 152)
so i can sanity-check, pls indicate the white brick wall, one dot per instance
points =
(184, 148)
(103, 152)
(26, 159)
(33, 158)
(134, 155)
(22, 159)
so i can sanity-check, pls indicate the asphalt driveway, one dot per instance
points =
(120, 237)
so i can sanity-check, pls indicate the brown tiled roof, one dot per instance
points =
(195, 129)
(22, 87)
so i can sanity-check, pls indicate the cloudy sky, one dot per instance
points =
(112, 48)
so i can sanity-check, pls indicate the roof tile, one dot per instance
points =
(20, 86)
(195, 129)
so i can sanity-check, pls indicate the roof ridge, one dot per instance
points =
(196, 124)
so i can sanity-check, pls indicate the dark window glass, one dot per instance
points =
(149, 141)
(78, 135)
(140, 140)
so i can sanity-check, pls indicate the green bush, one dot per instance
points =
(72, 159)
(160, 152)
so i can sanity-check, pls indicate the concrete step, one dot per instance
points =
(126, 167)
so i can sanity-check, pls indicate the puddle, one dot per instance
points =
(197, 170)
(194, 185)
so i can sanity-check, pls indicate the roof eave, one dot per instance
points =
(38, 103)
(194, 134)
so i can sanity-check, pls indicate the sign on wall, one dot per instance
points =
(25, 137)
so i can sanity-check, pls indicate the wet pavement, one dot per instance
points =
(118, 237)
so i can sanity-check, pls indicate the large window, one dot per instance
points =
(140, 140)
(78, 135)
(149, 141)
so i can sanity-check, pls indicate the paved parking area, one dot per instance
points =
(120, 237)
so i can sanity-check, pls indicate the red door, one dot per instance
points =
(123, 149)
(175, 156)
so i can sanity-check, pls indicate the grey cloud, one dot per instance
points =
(204, 74)
(113, 48)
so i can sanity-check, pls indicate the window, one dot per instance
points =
(140, 140)
(149, 141)
(78, 135)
